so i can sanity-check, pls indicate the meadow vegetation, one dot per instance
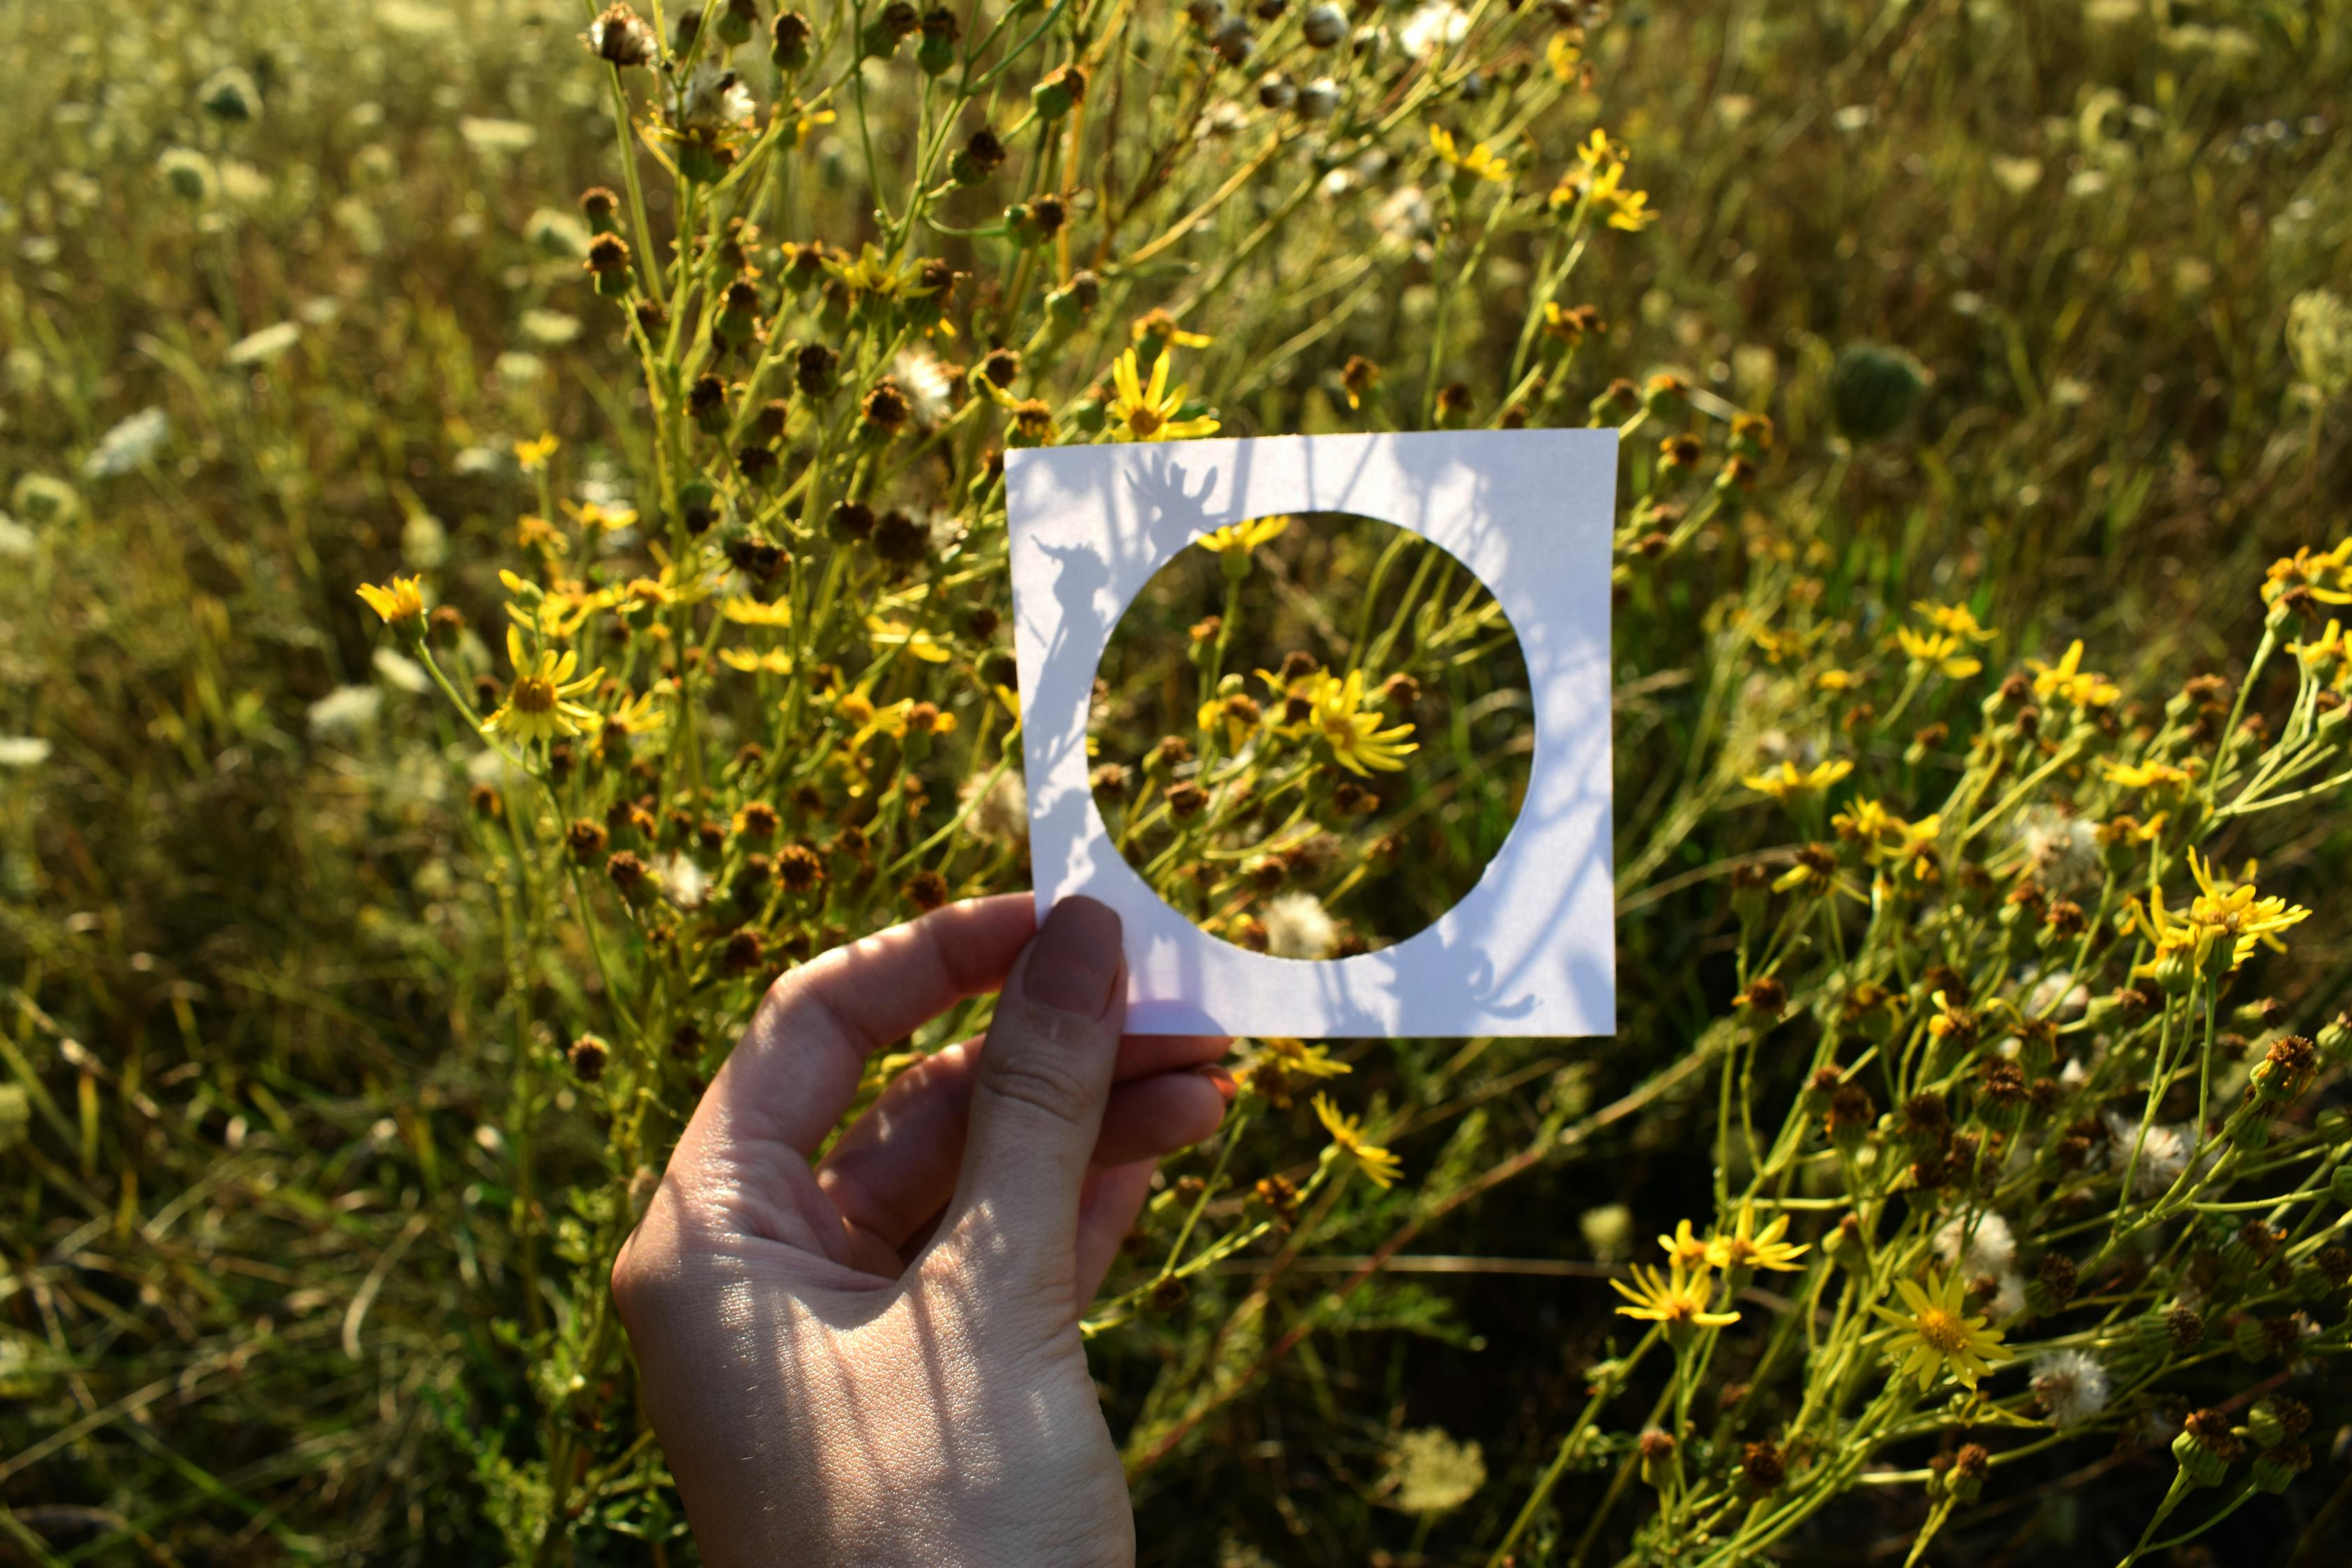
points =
(1984, 380)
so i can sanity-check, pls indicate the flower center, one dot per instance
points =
(1143, 421)
(1943, 1332)
(533, 695)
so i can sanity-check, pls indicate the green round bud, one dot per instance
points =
(1874, 388)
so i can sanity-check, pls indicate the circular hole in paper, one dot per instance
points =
(1310, 735)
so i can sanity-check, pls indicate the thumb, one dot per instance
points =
(1037, 1104)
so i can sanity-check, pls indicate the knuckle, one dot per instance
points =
(1050, 1084)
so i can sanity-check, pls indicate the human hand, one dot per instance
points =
(876, 1359)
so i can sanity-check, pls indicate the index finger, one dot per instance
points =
(798, 1065)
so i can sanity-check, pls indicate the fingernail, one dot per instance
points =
(1074, 963)
(1221, 1080)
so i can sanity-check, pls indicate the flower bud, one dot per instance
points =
(787, 44)
(1058, 92)
(589, 1056)
(936, 52)
(1874, 389)
(2205, 1447)
(1319, 99)
(981, 155)
(2274, 1470)
(1657, 1452)
(1324, 25)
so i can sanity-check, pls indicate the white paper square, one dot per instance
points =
(1530, 949)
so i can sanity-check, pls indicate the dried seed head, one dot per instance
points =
(814, 370)
(1763, 1466)
(744, 952)
(1000, 367)
(900, 539)
(982, 155)
(585, 839)
(1323, 25)
(1765, 998)
(1186, 799)
(588, 1055)
(622, 37)
(787, 44)
(926, 891)
(626, 872)
(885, 409)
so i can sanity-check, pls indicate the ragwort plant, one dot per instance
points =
(308, 1198)
(764, 706)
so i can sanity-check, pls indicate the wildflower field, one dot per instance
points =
(504, 553)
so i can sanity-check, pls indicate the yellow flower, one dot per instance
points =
(533, 454)
(1686, 1250)
(1945, 651)
(1296, 1056)
(538, 705)
(2326, 574)
(1629, 210)
(2151, 775)
(1951, 1019)
(1380, 1167)
(1747, 1247)
(532, 531)
(1598, 150)
(1147, 413)
(1781, 647)
(1835, 680)
(2330, 648)
(2221, 922)
(1936, 1334)
(1957, 619)
(590, 514)
(1918, 847)
(1356, 740)
(1870, 825)
(1161, 327)
(1237, 713)
(638, 715)
(2068, 679)
(920, 644)
(1676, 1300)
(1565, 55)
(745, 610)
(772, 662)
(1480, 163)
(1247, 536)
(1787, 783)
(399, 601)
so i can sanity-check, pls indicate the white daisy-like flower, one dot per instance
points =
(2071, 1386)
(1001, 816)
(2058, 996)
(399, 669)
(1432, 28)
(1297, 926)
(687, 883)
(924, 380)
(345, 711)
(2062, 851)
(1979, 1242)
(1405, 215)
(2163, 1156)
(714, 99)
